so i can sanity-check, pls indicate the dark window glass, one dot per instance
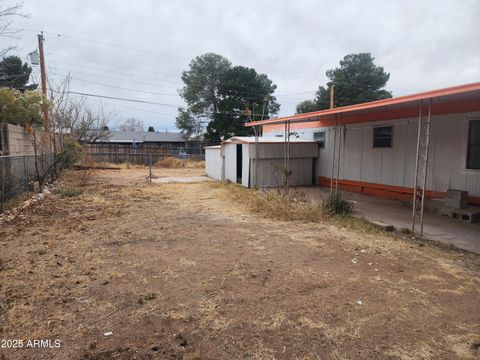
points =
(382, 137)
(473, 155)
(320, 138)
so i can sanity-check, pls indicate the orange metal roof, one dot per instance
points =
(452, 99)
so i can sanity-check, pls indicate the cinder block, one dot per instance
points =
(454, 203)
(457, 194)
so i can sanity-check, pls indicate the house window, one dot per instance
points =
(319, 137)
(382, 137)
(473, 154)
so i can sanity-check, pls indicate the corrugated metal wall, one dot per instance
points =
(213, 163)
(270, 172)
(246, 165)
(396, 165)
(270, 164)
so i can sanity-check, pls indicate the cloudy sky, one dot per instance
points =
(138, 49)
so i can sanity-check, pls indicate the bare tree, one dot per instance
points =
(132, 124)
(75, 117)
(7, 12)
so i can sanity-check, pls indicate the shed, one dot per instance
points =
(213, 162)
(237, 161)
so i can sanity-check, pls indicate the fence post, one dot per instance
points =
(3, 184)
(128, 158)
(150, 161)
(25, 172)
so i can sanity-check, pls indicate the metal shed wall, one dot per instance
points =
(396, 165)
(270, 163)
(213, 163)
(270, 172)
(245, 165)
(229, 152)
(277, 150)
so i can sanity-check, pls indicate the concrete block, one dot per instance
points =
(469, 215)
(457, 194)
(455, 203)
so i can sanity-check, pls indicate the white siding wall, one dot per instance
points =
(230, 154)
(213, 163)
(396, 165)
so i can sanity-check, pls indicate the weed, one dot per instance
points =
(405, 231)
(71, 192)
(146, 297)
(42, 250)
(338, 204)
(277, 205)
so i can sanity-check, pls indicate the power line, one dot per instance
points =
(118, 98)
(113, 72)
(111, 78)
(113, 65)
(58, 36)
(155, 85)
(123, 88)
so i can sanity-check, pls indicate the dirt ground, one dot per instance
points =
(181, 271)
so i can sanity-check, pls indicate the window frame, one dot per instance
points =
(470, 121)
(391, 137)
(323, 144)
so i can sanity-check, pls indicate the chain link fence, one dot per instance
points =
(17, 173)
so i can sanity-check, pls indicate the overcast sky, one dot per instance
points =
(423, 44)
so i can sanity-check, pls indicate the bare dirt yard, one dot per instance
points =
(124, 269)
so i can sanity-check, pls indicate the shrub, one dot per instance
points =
(70, 152)
(338, 204)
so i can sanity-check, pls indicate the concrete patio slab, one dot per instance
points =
(438, 228)
(178, 179)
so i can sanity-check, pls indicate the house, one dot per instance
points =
(236, 160)
(429, 141)
(138, 141)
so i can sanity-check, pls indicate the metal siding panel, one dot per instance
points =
(245, 165)
(352, 154)
(230, 152)
(213, 163)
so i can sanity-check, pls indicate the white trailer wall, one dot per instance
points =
(213, 162)
(396, 165)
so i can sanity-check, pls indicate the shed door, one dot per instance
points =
(239, 163)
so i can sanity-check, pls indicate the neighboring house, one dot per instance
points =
(374, 145)
(142, 141)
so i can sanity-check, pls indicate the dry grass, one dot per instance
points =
(175, 163)
(293, 207)
(276, 205)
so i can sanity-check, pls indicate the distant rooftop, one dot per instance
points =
(144, 137)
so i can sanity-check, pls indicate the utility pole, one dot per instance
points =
(44, 80)
(332, 93)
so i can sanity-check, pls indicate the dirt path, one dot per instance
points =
(180, 271)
